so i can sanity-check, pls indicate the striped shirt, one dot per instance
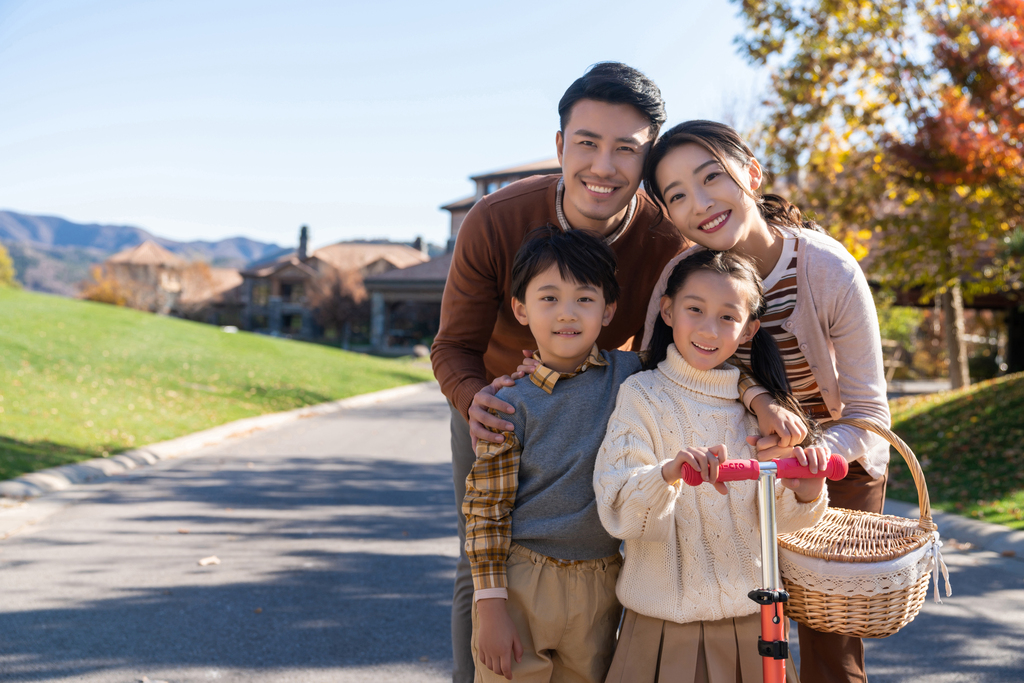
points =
(780, 300)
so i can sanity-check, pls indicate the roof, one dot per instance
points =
(149, 253)
(283, 263)
(465, 203)
(534, 168)
(347, 256)
(221, 280)
(435, 270)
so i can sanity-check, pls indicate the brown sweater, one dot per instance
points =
(479, 338)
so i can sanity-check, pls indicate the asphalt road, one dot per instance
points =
(336, 543)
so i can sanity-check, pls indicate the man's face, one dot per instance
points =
(602, 152)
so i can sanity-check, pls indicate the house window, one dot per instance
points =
(491, 187)
(260, 293)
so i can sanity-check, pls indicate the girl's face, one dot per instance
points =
(704, 203)
(710, 318)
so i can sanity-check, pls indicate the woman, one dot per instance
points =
(819, 310)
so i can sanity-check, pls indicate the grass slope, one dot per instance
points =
(80, 380)
(971, 446)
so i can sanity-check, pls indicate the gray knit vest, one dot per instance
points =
(555, 511)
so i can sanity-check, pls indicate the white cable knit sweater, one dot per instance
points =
(691, 553)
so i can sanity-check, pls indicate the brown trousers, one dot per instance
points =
(830, 657)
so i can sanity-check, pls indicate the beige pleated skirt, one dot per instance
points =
(652, 650)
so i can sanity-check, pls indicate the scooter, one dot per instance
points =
(772, 645)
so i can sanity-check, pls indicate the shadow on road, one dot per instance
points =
(331, 608)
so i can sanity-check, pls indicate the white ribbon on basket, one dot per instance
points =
(938, 564)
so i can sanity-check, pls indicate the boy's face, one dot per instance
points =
(602, 154)
(565, 318)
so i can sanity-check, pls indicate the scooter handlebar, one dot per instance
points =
(785, 468)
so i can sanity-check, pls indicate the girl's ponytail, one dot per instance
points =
(768, 369)
(661, 337)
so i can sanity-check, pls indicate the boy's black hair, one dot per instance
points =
(615, 83)
(582, 256)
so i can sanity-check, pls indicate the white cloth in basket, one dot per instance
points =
(866, 578)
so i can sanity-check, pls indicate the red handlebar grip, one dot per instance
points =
(790, 468)
(787, 468)
(730, 470)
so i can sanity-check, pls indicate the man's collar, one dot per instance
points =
(546, 378)
(564, 223)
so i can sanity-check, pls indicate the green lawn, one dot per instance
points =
(80, 380)
(971, 445)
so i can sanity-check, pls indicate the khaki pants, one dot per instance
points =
(566, 615)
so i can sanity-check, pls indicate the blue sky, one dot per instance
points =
(204, 120)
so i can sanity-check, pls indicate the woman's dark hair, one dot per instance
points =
(722, 142)
(615, 83)
(581, 255)
(766, 364)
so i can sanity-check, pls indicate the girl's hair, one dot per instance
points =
(765, 361)
(723, 143)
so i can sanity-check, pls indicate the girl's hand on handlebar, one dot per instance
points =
(815, 458)
(704, 460)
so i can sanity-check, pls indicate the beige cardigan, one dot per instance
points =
(837, 327)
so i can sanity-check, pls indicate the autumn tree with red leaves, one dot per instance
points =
(899, 124)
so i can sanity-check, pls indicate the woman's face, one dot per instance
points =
(704, 203)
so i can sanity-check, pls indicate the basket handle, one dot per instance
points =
(900, 445)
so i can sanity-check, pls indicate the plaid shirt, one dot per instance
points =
(491, 492)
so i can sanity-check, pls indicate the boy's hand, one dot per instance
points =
(704, 460)
(815, 458)
(479, 417)
(497, 638)
(772, 418)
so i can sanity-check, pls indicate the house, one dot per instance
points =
(406, 303)
(149, 273)
(277, 296)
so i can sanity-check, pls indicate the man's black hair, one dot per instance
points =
(582, 257)
(615, 83)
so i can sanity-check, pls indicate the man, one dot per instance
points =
(609, 118)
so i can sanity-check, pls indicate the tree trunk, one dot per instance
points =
(953, 308)
(1015, 339)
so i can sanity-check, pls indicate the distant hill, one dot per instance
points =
(52, 254)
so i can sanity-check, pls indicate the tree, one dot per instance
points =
(899, 124)
(7, 274)
(338, 299)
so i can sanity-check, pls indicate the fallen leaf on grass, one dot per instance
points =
(206, 561)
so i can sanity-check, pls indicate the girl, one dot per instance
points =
(819, 311)
(692, 555)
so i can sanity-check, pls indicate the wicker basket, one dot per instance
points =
(859, 573)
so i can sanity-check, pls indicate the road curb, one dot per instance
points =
(38, 483)
(983, 535)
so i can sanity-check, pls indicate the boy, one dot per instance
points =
(544, 568)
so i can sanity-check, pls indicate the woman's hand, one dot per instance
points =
(772, 418)
(704, 460)
(497, 638)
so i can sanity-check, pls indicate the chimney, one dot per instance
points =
(303, 242)
(419, 245)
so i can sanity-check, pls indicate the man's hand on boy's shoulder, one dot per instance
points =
(497, 637)
(483, 424)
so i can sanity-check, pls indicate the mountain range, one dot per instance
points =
(52, 254)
